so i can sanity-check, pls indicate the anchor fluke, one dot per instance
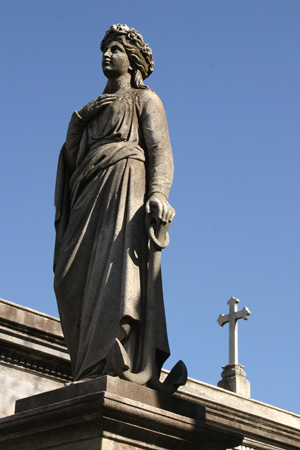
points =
(177, 377)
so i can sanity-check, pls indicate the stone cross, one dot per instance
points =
(233, 316)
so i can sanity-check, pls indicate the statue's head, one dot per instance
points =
(139, 53)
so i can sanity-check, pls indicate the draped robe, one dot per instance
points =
(107, 170)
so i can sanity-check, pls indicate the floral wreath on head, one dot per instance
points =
(134, 38)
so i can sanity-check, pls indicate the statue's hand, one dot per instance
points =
(89, 111)
(165, 211)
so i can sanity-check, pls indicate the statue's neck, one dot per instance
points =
(116, 84)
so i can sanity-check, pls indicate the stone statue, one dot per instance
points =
(114, 174)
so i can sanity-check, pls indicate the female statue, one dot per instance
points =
(115, 168)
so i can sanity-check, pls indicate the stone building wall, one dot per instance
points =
(34, 359)
(33, 356)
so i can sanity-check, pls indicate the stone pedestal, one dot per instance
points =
(109, 414)
(234, 379)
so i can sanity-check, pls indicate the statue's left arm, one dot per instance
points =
(159, 155)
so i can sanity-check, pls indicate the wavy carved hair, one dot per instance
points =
(139, 53)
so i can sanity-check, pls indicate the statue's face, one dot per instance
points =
(115, 62)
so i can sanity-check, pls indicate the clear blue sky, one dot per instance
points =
(228, 72)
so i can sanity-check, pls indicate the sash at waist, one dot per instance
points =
(110, 153)
(101, 157)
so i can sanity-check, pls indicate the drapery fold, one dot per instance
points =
(102, 252)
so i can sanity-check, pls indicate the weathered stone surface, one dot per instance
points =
(234, 379)
(115, 386)
(265, 427)
(84, 416)
(33, 356)
(18, 383)
(114, 175)
(233, 376)
(30, 319)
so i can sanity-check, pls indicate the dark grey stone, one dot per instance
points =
(114, 385)
(123, 416)
(114, 176)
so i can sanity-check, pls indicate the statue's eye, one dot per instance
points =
(115, 49)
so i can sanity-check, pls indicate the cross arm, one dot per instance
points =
(222, 319)
(243, 314)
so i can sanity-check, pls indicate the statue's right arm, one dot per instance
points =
(74, 134)
(159, 155)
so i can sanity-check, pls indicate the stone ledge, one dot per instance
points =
(33, 341)
(271, 426)
(116, 386)
(266, 427)
(92, 417)
(26, 317)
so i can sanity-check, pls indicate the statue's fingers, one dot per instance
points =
(165, 213)
(159, 207)
(147, 208)
(169, 216)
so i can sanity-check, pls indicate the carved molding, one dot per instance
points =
(37, 365)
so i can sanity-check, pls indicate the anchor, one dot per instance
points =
(119, 360)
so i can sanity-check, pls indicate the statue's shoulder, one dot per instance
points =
(148, 97)
(147, 94)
